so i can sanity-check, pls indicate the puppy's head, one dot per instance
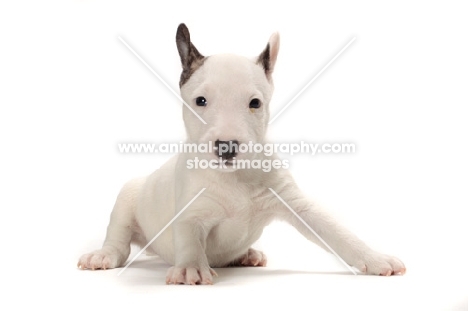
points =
(230, 92)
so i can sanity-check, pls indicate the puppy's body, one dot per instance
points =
(220, 225)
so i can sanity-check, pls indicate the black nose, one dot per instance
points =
(226, 149)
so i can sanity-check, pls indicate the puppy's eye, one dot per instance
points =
(255, 103)
(200, 101)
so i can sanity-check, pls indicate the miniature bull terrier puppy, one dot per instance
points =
(231, 94)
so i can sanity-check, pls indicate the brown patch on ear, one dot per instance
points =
(190, 58)
(264, 59)
(267, 59)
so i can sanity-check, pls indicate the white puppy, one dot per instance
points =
(232, 94)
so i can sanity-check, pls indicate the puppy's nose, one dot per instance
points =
(226, 149)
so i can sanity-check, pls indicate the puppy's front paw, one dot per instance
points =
(99, 260)
(190, 275)
(380, 264)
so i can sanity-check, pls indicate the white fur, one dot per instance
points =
(219, 227)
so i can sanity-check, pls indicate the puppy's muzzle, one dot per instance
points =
(227, 150)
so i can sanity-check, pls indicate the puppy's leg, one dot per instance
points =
(116, 247)
(252, 258)
(348, 246)
(191, 265)
(190, 234)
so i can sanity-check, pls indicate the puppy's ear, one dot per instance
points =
(190, 58)
(267, 58)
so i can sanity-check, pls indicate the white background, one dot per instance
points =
(70, 92)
